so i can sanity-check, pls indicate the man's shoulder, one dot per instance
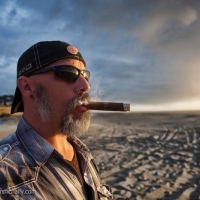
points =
(16, 165)
(11, 139)
(7, 145)
(12, 150)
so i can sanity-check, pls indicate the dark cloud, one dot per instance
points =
(144, 52)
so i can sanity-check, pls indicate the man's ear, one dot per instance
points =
(25, 86)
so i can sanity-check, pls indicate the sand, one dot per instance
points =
(143, 156)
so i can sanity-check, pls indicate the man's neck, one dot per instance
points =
(48, 130)
(60, 143)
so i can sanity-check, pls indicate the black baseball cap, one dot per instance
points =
(38, 56)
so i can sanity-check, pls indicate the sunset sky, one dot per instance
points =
(143, 52)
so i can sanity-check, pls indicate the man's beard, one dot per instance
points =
(42, 106)
(68, 126)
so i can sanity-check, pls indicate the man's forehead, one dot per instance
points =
(68, 61)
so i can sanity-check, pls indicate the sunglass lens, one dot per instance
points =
(86, 75)
(69, 75)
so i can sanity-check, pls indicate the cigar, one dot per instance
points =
(107, 106)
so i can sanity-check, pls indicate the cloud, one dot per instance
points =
(7, 78)
(145, 52)
(171, 30)
(166, 23)
(13, 14)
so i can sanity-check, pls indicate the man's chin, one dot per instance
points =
(75, 124)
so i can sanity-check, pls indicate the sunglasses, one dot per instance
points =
(65, 72)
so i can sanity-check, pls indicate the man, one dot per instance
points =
(44, 159)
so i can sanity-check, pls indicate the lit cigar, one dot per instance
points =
(106, 106)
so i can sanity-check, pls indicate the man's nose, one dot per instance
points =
(83, 85)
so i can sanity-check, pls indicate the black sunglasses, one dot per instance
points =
(65, 72)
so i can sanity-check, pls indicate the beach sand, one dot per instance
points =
(143, 156)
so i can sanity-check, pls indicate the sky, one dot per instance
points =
(142, 52)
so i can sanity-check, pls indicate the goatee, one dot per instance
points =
(69, 125)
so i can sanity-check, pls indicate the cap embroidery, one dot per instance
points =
(72, 49)
(29, 66)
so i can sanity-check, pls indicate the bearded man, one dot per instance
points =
(44, 159)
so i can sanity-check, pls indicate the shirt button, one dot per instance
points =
(5, 148)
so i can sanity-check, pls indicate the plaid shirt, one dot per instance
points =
(31, 169)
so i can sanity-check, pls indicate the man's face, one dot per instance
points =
(56, 100)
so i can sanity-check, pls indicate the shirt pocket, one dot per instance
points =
(13, 176)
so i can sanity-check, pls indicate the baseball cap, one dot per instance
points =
(38, 56)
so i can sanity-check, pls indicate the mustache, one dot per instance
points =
(84, 97)
(75, 101)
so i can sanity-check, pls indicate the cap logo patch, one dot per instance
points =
(72, 49)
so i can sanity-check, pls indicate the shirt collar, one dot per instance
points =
(37, 146)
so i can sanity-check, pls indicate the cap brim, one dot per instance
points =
(17, 104)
